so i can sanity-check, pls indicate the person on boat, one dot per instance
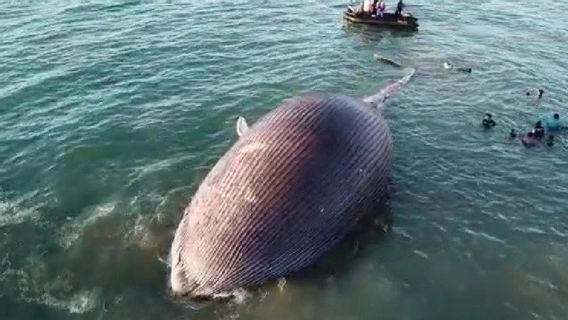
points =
(488, 122)
(367, 7)
(380, 8)
(554, 124)
(528, 140)
(374, 8)
(538, 130)
(399, 8)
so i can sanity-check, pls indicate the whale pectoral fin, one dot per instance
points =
(377, 100)
(242, 126)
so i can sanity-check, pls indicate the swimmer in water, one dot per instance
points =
(535, 92)
(554, 124)
(538, 130)
(513, 134)
(528, 140)
(488, 122)
(448, 66)
(550, 141)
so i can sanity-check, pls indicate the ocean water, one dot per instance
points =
(112, 112)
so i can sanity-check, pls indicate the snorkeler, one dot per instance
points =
(488, 122)
(450, 66)
(513, 134)
(535, 92)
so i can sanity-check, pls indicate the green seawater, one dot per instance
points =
(112, 112)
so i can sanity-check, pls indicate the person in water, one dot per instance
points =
(550, 141)
(538, 130)
(449, 66)
(488, 122)
(529, 140)
(513, 134)
(554, 124)
(537, 92)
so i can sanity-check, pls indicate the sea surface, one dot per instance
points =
(112, 112)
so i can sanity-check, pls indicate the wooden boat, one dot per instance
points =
(389, 20)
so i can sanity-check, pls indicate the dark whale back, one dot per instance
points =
(289, 189)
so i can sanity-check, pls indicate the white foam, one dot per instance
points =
(422, 254)
(142, 236)
(79, 303)
(281, 284)
(34, 286)
(12, 214)
(72, 230)
(484, 235)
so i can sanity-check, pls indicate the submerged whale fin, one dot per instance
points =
(386, 60)
(242, 126)
(377, 100)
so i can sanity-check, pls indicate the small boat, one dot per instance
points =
(388, 20)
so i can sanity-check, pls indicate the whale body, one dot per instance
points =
(293, 185)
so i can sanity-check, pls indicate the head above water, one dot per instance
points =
(556, 116)
(538, 124)
(530, 134)
(488, 115)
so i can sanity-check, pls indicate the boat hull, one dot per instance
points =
(389, 20)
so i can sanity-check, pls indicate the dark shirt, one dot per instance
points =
(539, 132)
(399, 6)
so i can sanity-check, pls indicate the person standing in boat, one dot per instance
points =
(366, 7)
(399, 8)
(374, 8)
(380, 8)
